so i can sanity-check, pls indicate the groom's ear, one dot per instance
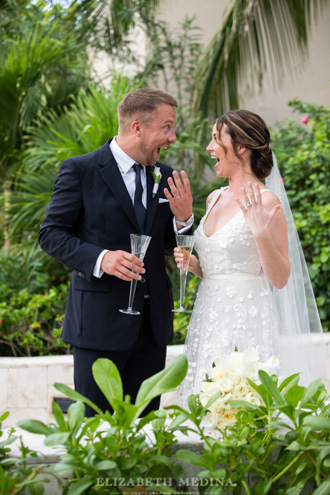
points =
(136, 127)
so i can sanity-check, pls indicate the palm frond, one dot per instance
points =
(84, 126)
(28, 205)
(114, 19)
(31, 64)
(256, 36)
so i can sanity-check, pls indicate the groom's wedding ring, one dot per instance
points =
(176, 197)
(248, 205)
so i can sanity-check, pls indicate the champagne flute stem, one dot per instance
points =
(131, 293)
(183, 280)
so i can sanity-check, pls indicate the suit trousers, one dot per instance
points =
(136, 365)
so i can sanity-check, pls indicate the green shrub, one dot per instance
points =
(303, 155)
(104, 450)
(31, 324)
(15, 474)
(28, 267)
(34, 291)
(280, 447)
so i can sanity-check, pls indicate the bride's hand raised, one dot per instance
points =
(256, 215)
(193, 261)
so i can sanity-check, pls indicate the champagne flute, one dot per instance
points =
(185, 243)
(139, 246)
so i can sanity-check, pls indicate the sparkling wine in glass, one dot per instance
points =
(186, 244)
(139, 246)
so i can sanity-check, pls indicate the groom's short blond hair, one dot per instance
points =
(141, 104)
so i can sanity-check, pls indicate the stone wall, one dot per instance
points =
(27, 384)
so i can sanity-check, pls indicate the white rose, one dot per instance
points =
(210, 420)
(253, 398)
(240, 391)
(220, 403)
(215, 374)
(209, 388)
(226, 418)
(230, 417)
(234, 373)
(224, 384)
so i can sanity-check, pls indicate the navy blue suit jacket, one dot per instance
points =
(91, 210)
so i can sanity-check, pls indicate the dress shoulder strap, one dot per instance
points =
(215, 197)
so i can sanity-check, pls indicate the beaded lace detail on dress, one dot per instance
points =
(234, 304)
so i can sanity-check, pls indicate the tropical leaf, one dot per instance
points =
(114, 20)
(162, 382)
(255, 36)
(42, 65)
(108, 379)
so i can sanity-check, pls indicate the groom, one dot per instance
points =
(98, 200)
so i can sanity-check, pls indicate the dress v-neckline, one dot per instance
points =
(230, 220)
(211, 207)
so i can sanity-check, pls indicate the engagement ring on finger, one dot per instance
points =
(248, 205)
(176, 197)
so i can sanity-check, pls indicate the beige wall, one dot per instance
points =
(311, 85)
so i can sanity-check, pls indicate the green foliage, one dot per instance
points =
(27, 267)
(303, 155)
(114, 446)
(173, 55)
(31, 324)
(15, 474)
(111, 25)
(42, 63)
(33, 297)
(280, 447)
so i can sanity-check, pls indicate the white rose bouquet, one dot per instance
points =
(229, 377)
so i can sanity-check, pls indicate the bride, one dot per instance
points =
(252, 291)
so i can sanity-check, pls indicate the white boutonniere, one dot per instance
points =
(156, 176)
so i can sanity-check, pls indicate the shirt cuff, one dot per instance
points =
(183, 230)
(97, 272)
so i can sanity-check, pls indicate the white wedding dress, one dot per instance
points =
(234, 305)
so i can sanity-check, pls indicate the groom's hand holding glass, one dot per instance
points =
(123, 265)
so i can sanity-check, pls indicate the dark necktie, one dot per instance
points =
(140, 210)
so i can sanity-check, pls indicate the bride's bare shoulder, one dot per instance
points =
(269, 199)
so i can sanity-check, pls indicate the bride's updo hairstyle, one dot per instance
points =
(249, 130)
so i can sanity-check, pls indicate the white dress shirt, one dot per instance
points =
(125, 164)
